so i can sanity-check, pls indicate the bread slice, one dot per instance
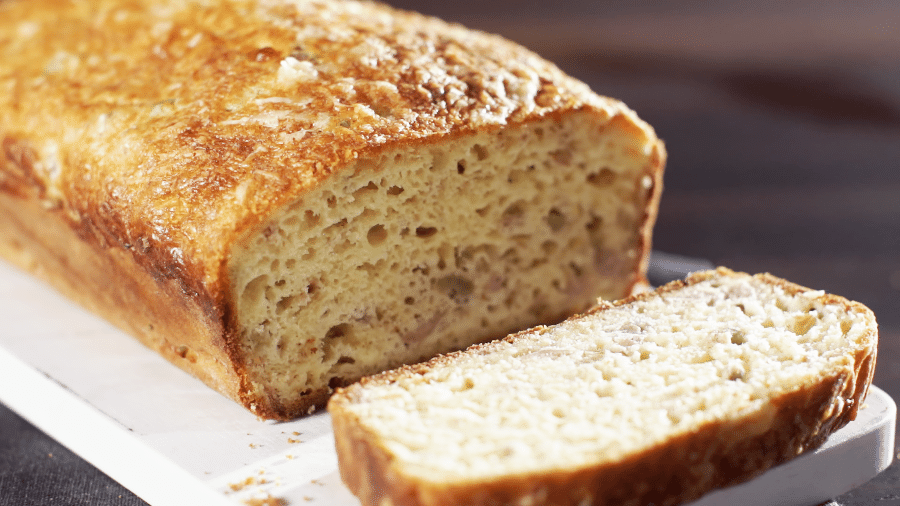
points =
(655, 399)
(281, 196)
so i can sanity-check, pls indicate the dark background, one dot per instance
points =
(782, 122)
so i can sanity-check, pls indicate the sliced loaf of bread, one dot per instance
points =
(282, 196)
(655, 399)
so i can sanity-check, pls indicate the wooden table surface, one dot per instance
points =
(782, 122)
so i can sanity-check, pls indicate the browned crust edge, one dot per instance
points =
(670, 473)
(153, 305)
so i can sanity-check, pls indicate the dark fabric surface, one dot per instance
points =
(36, 470)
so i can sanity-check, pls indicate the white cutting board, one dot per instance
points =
(173, 441)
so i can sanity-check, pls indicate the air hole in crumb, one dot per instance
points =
(457, 288)
(603, 178)
(781, 304)
(559, 413)
(338, 331)
(369, 267)
(337, 382)
(483, 211)
(513, 215)
(802, 324)
(845, 326)
(346, 360)
(468, 384)
(395, 190)
(738, 337)
(425, 231)
(548, 247)
(562, 156)
(742, 308)
(255, 290)
(376, 235)
(480, 151)
(365, 189)
(181, 351)
(285, 303)
(409, 301)
(340, 224)
(556, 220)
(331, 201)
(311, 219)
(460, 167)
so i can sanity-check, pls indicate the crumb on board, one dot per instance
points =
(266, 501)
(241, 484)
(247, 482)
(292, 440)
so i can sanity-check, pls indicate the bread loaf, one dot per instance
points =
(281, 196)
(655, 399)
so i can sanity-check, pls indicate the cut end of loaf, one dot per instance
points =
(684, 386)
(431, 248)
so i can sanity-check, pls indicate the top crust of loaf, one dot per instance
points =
(720, 452)
(174, 127)
(162, 134)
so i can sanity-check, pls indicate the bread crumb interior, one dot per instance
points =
(432, 248)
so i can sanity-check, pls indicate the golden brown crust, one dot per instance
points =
(159, 134)
(151, 305)
(204, 115)
(679, 470)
